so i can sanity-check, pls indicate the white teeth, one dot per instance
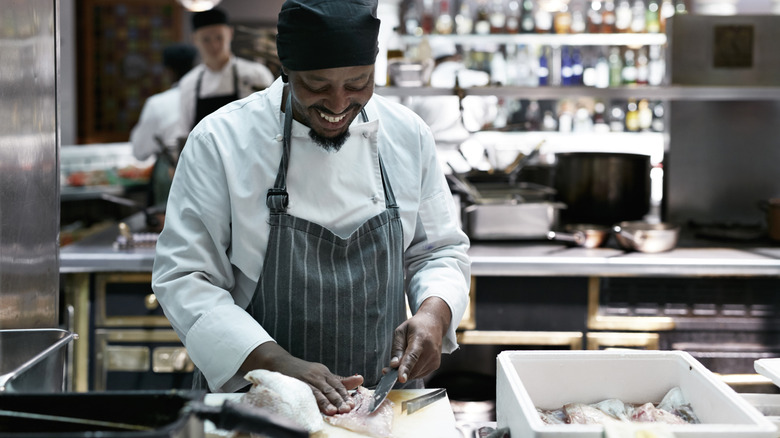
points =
(331, 119)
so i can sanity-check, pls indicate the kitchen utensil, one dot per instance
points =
(602, 188)
(384, 387)
(515, 166)
(417, 403)
(646, 237)
(584, 235)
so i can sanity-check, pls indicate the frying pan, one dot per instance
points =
(646, 237)
(584, 235)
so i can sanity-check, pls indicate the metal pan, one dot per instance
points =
(646, 237)
(584, 235)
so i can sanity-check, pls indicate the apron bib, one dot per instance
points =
(207, 105)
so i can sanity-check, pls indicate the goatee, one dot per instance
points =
(330, 144)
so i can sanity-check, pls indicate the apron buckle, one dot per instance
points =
(277, 199)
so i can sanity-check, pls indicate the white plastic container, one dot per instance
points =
(549, 379)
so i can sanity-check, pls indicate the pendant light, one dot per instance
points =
(199, 5)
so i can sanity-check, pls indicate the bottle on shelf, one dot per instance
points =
(464, 22)
(603, 69)
(623, 16)
(577, 68)
(589, 60)
(533, 116)
(444, 22)
(527, 66)
(638, 17)
(527, 24)
(543, 18)
(543, 72)
(642, 66)
(513, 16)
(565, 115)
(562, 20)
(428, 20)
(497, 17)
(566, 66)
(615, 67)
(629, 67)
(644, 115)
(594, 16)
(583, 122)
(412, 19)
(652, 20)
(656, 66)
(579, 22)
(680, 8)
(549, 123)
(498, 68)
(599, 118)
(666, 12)
(657, 124)
(608, 17)
(632, 116)
(482, 18)
(617, 117)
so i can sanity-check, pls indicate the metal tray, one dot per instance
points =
(33, 360)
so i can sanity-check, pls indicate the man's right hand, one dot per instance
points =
(329, 390)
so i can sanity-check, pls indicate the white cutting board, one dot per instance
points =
(433, 421)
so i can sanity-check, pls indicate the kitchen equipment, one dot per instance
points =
(155, 215)
(584, 235)
(132, 414)
(602, 188)
(507, 219)
(549, 379)
(383, 388)
(646, 237)
(33, 360)
(772, 209)
(417, 403)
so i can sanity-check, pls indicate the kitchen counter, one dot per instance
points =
(692, 258)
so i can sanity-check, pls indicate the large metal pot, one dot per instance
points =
(602, 188)
(646, 237)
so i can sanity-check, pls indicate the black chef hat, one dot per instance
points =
(319, 34)
(208, 18)
(180, 58)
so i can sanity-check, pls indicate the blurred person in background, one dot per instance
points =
(221, 77)
(159, 116)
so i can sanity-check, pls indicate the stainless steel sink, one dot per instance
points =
(33, 360)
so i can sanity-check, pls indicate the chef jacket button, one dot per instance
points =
(279, 137)
(375, 198)
(366, 134)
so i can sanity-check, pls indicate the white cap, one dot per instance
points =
(441, 47)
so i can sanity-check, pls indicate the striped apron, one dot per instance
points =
(328, 299)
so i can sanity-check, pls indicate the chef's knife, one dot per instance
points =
(384, 387)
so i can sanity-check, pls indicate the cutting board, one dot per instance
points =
(433, 421)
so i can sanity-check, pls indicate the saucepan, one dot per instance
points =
(584, 235)
(646, 237)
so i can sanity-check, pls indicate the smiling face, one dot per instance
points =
(328, 100)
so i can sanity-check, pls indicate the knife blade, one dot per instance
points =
(417, 403)
(383, 388)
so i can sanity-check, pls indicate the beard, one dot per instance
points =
(330, 144)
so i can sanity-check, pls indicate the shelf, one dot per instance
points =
(674, 92)
(580, 39)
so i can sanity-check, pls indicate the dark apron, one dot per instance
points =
(207, 105)
(327, 299)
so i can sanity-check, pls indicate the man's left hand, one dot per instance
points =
(417, 341)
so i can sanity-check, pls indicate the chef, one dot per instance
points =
(302, 218)
(159, 115)
(221, 77)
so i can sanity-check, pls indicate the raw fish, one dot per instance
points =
(675, 403)
(377, 424)
(581, 413)
(615, 408)
(555, 416)
(285, 396)
(647, 413)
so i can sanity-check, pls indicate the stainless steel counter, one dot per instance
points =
(692, 258)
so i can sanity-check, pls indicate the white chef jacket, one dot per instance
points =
(211, 251)
(252, 76)
(159, 116)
